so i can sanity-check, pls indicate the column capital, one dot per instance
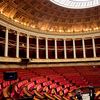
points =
(18, 32)
(7, 28)
(28, 35)
(37, 36)
(73, 39)
(93, 37)
(64, 39)
(83, 38)
(46, 38)
(55, 39)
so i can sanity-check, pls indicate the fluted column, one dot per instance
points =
(37, 47)
(94, 49)
(6, 43)
(17, 45)
(74, 49)
(56, 56)
(46, 41)
(83, 45)
(65, 54)
(27, 55)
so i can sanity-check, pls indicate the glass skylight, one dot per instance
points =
(77, 4)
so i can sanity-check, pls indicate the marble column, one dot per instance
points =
(83, 45)
(94, 49)
(27, 55)
(74, 49)
(17, 45)
(6, 42)
(56, 56)
(65, 52)
(37, 47)
(46, 41)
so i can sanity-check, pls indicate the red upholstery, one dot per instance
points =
(60, 79)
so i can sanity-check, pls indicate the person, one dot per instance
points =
(72, 98)
(91, 93)
(79, 96)
(97, 97)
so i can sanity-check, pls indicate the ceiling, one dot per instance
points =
(45, 15)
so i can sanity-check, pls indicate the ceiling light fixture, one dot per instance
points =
(77, 4)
